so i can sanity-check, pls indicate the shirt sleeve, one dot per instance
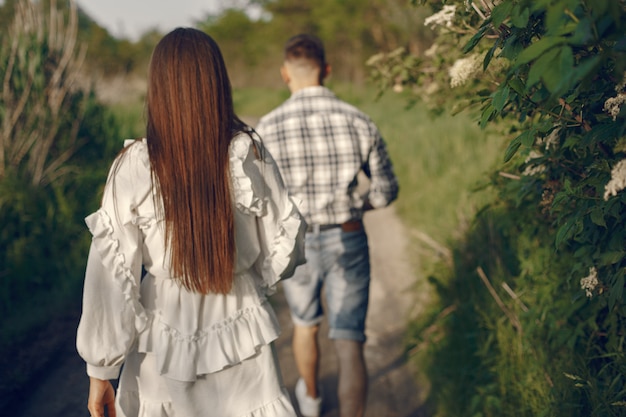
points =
(112, 313)
(383, 182)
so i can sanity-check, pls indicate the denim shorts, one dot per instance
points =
(338, 262)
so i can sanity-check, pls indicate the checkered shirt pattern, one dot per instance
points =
(320, 144)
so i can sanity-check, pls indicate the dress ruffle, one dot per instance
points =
(284, 240)
(130, 401)
(245, 198)
(282, 247)
(280, 407)
(227, 343)
(130, 404)
(107, 245)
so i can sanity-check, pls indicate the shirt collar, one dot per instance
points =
(317, 90)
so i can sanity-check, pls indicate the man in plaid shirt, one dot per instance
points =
(321, 144)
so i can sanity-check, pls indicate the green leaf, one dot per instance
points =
(500, 97)
(528, 137)
(566, 231)
(583, 33)
(557, 78)
(517, 85)
(541, 66)
(520, 19)
(512, 149)
(501, 12)
(585, 68)
(487, 115)
(489, 54)
(610, 258)
(538, 48)
(564, 29)
(477, 37)
(597, 216)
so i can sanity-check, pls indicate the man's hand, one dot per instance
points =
(101, 396)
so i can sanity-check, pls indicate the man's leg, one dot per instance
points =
(347, 294)
(306, 353)
(352, 389)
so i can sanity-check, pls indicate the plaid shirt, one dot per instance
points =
(320, 144)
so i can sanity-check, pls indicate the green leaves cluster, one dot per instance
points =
(568, 57)
(560, 101)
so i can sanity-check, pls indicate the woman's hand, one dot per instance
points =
(101, 396)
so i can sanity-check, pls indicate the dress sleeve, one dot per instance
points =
(112, 313)
(281, 226)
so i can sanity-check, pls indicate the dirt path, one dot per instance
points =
(61, 390)
(393, 391)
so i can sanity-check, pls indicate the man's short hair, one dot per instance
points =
(305, 47)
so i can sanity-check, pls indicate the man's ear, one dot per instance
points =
(284, 73)
(325, 72)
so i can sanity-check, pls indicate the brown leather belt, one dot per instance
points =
(349, 226)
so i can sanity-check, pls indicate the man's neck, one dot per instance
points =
(297, 86)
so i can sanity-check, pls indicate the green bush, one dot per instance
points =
(54, 154)
(550, 74)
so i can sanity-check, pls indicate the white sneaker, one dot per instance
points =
(309, 407)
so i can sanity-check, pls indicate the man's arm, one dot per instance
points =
(383, 181)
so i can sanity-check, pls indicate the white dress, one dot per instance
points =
(187, 354)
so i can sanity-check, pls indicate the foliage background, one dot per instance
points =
(533, 291)
(505, 199)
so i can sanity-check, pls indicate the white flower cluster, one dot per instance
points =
(613, 105)
(618, 180)
(552, 140)
(590, 282)
(533, 168)
(441, 18)
(463, 69)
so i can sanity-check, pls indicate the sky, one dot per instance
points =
(130, 18)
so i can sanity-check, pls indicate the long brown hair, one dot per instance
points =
(190, 123)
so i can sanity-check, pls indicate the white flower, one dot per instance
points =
(463, 69)
(590, 282)
(552, 140)
(533, 169)
(613, 105)
(618, 180)
(442, 17)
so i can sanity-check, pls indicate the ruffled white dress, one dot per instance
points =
(187, 354)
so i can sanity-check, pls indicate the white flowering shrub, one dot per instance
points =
(550, 74)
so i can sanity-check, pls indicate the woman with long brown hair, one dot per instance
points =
(194, 230)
